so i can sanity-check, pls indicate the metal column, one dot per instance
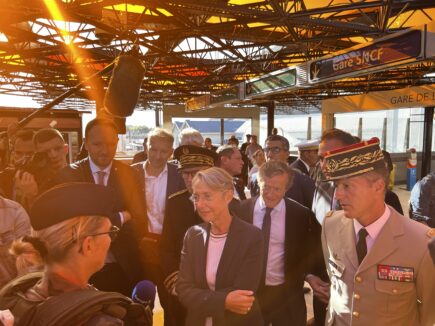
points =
(427, 141)
(270, 117)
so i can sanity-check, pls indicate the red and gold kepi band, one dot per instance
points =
(353, 160)
(189, 156)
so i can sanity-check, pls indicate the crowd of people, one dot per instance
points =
(227, 235)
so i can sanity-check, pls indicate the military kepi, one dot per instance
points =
(69, 200)
(353, 160)
(189, 156)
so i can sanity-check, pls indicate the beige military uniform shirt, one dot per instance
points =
(395, 283)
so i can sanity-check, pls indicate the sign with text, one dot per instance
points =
(394, 49)
(410, 97)
(225, 96)
(276, 81)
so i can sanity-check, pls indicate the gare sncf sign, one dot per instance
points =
(393, 49)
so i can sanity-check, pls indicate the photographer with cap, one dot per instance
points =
(72, 233)
(378, 261)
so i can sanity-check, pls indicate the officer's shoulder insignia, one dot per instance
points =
(329, 214)
(431, 233)
(177, 193)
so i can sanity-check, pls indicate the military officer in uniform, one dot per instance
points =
(180, 215)
(378, 261)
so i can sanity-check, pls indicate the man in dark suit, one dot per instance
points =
(230, 159)
(159, 180)
(307, 157)
(302, 190)
(143, 155)
(122, 269)
(290, 241)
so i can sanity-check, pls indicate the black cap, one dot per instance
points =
(69, 200)
(189, 156)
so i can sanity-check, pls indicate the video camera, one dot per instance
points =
(38, 165)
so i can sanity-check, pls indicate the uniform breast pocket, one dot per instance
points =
(399, 297)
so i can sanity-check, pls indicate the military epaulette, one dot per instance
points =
(329, 214)
(431, 233)
(177, 193)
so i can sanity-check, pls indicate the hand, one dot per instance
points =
(239, 301)
(26, 184)
(320, 288)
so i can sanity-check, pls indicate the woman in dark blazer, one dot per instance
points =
(222, 259)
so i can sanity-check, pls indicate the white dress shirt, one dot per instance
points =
(95, 169)
(372, 229)
(155, 195)
(275, 256)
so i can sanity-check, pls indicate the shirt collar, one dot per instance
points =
(278, 208)
(306, 165)
(95, 168)
(165, 170)
(374, 228)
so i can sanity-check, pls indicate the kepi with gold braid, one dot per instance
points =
(189, 156)
(353, 160)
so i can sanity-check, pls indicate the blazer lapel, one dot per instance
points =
(385, 243)
(113, 177)
(231, 244)
(87, 173)
(202, 253)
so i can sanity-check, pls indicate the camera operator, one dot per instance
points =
(49, 158)
(22, 151)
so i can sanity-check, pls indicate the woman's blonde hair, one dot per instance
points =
(216, 178)
(54, 243)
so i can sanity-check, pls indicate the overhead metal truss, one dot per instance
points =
(192, 47)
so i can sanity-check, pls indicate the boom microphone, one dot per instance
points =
(144, 293)
(124, 86)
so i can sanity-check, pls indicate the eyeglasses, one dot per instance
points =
(274, 150)
(113, 233)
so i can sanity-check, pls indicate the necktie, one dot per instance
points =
(101, 175)
(361, 246)
(266, 235)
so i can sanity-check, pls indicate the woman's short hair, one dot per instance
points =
(160, 133)
(272, 168)
(55, 242)
(190, 136)
(256, 154)
(216, 178)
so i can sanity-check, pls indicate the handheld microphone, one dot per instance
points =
(124, 86)
(144, 293)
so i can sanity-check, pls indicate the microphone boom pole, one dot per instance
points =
(63, 96)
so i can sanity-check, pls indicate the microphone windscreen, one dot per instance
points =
(124, 86)
(144, 293)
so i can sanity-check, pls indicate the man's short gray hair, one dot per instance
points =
(190, 136)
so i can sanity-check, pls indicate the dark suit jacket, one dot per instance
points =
(302, 189)
(240, 268)
(300, 166)
(302, 245)
(7, 182)
(124, 181)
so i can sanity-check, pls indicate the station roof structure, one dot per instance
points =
(194, 47)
